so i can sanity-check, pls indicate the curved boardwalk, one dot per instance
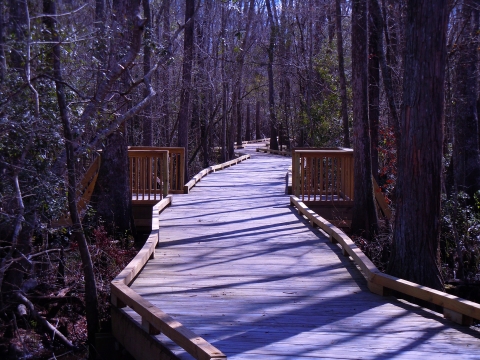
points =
(240, 268)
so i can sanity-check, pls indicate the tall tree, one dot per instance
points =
(466, 157)
(111, 198)
(374, 33)
(248, 128)
(258, 134)
(378, 24)
(364, 217)
(188, 47)
(147, 66)
(223, 51)
(240, 62)
(341, 74)
(3, 59)
(165, 74)
(414, 253)
(271, 90)
(91, 302)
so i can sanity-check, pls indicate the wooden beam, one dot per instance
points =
(455, 308)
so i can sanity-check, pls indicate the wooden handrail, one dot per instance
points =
(148, 171)
(154, 320)
(276, 152)
(455, 308)
(323, 175)
(176, 165)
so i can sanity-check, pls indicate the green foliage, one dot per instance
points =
(326, 128)
(460, 237)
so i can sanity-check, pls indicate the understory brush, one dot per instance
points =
(55, 288)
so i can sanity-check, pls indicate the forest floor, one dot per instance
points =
(57, 294)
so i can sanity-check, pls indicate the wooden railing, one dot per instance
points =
(323, 175)
(454, 308)
(176, 166)
(276, 152)
(86, 186)
(136, 336)
(148, 175)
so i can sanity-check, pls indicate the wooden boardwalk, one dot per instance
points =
(240, 268)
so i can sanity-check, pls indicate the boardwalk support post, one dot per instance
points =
(457, 317)
(378, 289)
(149, 328)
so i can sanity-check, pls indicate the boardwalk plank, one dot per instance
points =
(240, 268)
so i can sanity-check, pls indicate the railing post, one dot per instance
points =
(165, 174)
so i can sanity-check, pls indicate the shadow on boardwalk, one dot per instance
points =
(240, 268)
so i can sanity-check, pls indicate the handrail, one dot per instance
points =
(148, 175)
(176, 165)
(455, 308)
(154, 320)
(323, 175)
(256, 141)
(276, 152)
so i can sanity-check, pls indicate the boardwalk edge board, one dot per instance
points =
(455, 308)
(275, 152)
(154, 320)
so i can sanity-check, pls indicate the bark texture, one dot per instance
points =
(111, 197)
(364, 217)
(466, 159)
(374, 33)
(186, 80)
(271, 91)
(341, 74)
(417, 218)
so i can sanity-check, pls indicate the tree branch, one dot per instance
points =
(42, 321)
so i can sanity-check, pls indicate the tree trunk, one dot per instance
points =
(111, 197)
(385, 65)
(147, 55)
(165, 75)
(466, 158)
(3, 60)
(271, 94)
(364, 217)
(18, 28)
(341, 73)
(258, 134)
(414, 254)
(188, 43)
(248, 130)
(374, 32)
(223, 50)
(91, 302)
(239, 124)
(233, 125)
